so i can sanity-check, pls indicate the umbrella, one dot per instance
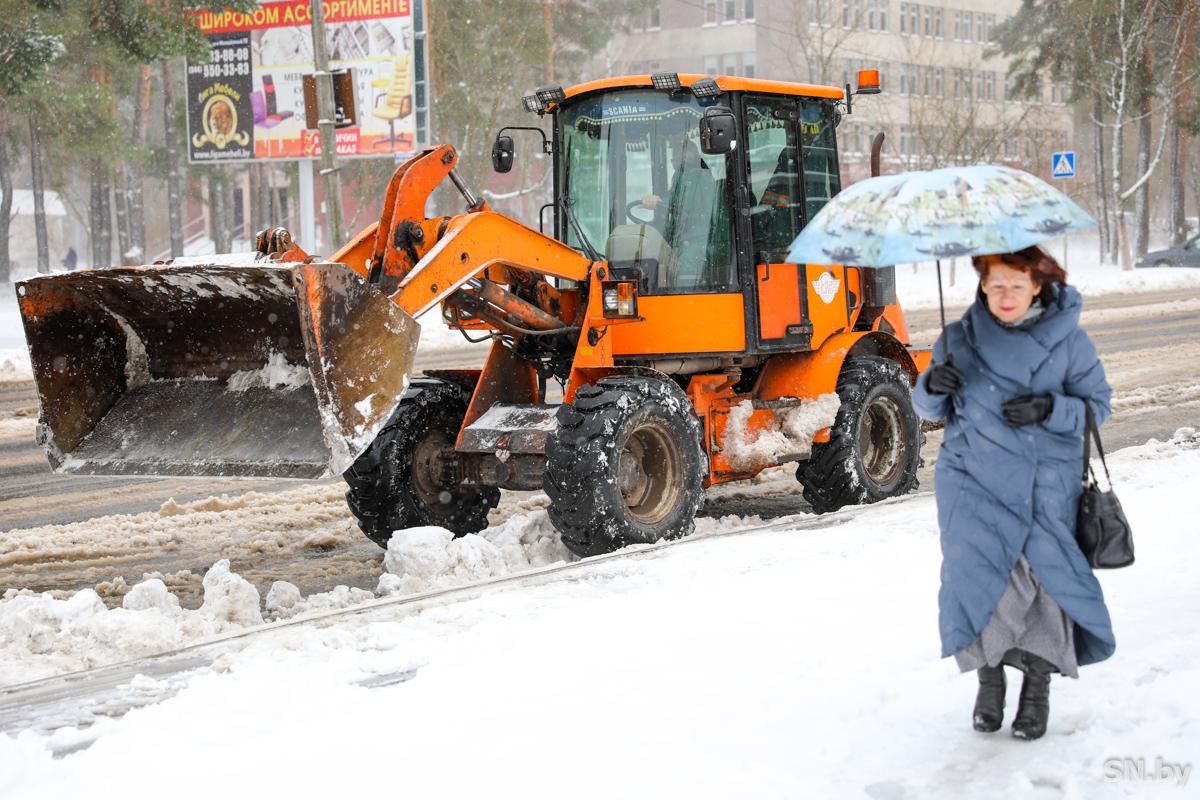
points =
(934, 214)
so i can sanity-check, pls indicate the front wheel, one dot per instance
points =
(625, 465)
(874, 447)
(407, 477)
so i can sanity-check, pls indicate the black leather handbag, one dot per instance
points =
(1102, 531)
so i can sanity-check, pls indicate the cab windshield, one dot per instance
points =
(638, 189)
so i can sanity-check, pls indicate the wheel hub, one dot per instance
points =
(881, 440)
(648, 474)
(432, 472)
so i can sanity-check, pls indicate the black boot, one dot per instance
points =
(989, 703)
(1034, 709)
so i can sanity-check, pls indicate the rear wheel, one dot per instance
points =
(407, 477)
(624, 465)
(874, 447)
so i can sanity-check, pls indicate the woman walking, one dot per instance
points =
(1010, 379)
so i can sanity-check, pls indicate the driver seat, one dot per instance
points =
(641, 247)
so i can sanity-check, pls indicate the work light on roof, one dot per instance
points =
(705, 88)
(531, 103)
(550, 94)
(666, 80)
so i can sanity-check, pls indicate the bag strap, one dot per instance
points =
(1092, 430)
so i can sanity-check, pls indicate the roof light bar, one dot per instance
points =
(666, 80)
(706, 88)
(531, 103)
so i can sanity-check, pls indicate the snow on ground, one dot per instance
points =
(917, 285)
(774, 664)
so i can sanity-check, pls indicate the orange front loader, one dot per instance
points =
(687, 350)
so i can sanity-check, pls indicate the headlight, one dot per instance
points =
(619, 298)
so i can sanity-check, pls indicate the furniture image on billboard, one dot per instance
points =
(397, 100)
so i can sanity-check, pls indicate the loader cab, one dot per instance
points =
(704, 234)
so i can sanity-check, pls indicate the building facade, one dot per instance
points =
(946, 99)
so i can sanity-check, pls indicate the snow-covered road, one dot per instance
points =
(779, 663)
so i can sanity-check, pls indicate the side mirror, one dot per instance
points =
(718, 131)
(502, 154)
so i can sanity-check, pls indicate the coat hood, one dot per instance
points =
(1016, 353)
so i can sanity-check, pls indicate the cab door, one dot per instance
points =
(776, 203)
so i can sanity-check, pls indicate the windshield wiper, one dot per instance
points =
(590, 251)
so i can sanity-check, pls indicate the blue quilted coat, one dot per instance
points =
(1002, 490)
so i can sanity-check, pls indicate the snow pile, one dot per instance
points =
(788, 433)
(15, 366)
(284, 600)
(14, 356)
(422, 559)
(276, 373)
(41, 635)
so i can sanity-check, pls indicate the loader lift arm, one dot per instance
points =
(421, 261)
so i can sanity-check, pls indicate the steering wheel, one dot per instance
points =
(638, 204)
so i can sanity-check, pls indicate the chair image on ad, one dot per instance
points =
(397, 101)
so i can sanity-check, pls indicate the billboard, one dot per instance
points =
(248, 102)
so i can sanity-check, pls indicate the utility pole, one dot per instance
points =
(325, 112)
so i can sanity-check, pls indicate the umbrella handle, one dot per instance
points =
(942, 310)
(941, 300)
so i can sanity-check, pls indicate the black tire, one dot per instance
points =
(602, 495)
(874, 447)
(397, 483)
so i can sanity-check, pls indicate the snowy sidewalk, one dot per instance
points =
(775, 664)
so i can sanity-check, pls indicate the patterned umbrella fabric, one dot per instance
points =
(941, 213)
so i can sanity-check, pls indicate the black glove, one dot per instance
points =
(944, 379)
(1028, 409)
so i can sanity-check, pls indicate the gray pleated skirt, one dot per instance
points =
(1026, 618)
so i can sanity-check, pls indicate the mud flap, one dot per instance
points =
(225, 366)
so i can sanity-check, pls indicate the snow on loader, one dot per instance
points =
(688, 351)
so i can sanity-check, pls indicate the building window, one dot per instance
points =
(730, 11)
(963, 79)
(748, 10)
(712, 65)
(748, 64)
(990, 27)
(939, 17)
(820, 12)
(655, 21)
(850, 9)
(957, 36)
(710, 12)
(877, 15)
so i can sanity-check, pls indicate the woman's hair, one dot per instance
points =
(1040, 265)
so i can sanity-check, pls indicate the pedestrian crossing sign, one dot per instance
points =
(1062, 165)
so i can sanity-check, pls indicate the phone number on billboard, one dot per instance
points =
(225, 70)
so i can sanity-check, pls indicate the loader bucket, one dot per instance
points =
(225, 366)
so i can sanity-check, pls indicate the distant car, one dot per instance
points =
(1186, 255)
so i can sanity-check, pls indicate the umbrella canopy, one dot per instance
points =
(932, 214)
